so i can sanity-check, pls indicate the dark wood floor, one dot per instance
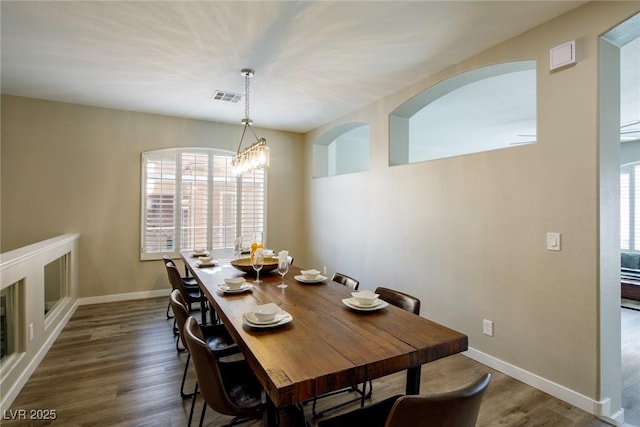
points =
(631, 366)
(115, 364)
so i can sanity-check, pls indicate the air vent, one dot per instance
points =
(221, 95)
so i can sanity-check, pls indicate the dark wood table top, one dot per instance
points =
(327, 346)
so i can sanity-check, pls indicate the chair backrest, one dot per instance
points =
(399, 299)
(167, 259)
(346, 281)
(457, 408)
(177, 283)
(208, 373)
(180, 311)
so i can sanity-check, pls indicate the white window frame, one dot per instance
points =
(217, 235)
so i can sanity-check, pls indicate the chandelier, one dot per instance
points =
(255, 156)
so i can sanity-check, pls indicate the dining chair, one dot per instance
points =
(229, 388)
(346, 281)
(362, 392)
(216, 336)
(189, 294)
(458, 408)
(399, 299)
(188, 281)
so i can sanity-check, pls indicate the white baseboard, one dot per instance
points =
(124, 297)
(601, 409)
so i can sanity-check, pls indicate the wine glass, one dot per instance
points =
(283, 268)
(237, 247)
(258, 262)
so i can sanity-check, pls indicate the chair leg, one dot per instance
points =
(193, 404)
(169, 316)
(184, 378)
(363, 394)
(178, 349)
(175, 327)
(204, 408)
(203, 310)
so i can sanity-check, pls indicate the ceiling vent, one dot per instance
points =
(220, 95)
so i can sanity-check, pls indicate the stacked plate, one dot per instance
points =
(228, 290)
(365, 301)
(304, 279)
(205, 261)
(266, 316)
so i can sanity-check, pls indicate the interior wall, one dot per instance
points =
(75, 169)
(467, 234)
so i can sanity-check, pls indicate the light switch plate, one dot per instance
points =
(553, 241)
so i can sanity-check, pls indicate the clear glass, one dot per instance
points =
(237, 247)
(257, 242)
(258, 262)
(283, 269)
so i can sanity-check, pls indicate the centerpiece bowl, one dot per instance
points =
(244, 264)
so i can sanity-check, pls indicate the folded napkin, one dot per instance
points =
(282, 255)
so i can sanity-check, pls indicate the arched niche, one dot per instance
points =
(484, 109)
(341, 150)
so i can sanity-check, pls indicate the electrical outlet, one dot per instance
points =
(487, 327)
(30, 332)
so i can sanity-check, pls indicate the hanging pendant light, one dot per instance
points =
(256, 156)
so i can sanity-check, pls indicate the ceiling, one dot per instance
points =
(314, 61)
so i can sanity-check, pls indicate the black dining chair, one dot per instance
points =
(346, 281)
(458, 408)
(190, 295)
(216, 336)
(188, 281)
(399, 299)
(362, 394)
(229, 388)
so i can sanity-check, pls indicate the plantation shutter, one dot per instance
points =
(159, 202)
(191, 199)
(194, 200)
(252, 203)
(224, 212)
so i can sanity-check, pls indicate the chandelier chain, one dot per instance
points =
(247, 76)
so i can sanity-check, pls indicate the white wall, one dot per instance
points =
(468, 234)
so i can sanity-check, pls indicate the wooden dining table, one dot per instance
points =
(326, 346)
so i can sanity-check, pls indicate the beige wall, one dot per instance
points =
(75, 169)
(468, 234)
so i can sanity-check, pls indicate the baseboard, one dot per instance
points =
(601, 409)
(124, 297)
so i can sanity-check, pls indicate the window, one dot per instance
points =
(489, 108)
(630, 207)
(190, 198)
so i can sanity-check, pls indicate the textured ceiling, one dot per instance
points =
(313, 61)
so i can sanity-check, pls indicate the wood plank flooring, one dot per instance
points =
(631, 366)
(115, 364)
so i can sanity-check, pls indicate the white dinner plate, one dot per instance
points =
(193, 254)
(201, 265)
(281, 318)
(318, 279)
(353, 303)
(245, 287)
